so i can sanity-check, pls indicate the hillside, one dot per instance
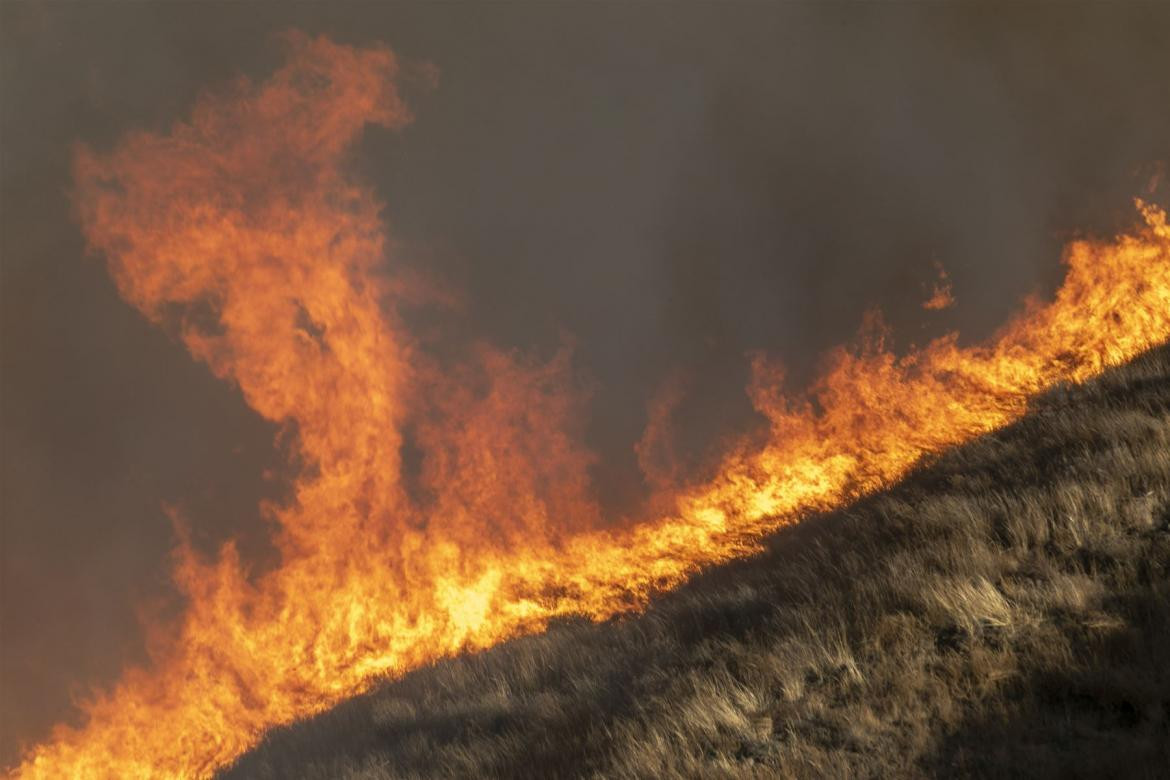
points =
(1005, 610)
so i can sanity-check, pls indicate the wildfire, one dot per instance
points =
(244, 226)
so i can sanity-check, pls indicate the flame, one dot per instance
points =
(244, 227)
(941, 297)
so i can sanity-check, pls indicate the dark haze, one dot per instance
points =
(670, 186)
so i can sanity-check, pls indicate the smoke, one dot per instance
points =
(674, 195)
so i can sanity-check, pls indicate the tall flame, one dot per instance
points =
(244, 226)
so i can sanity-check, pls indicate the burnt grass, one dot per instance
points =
(1003, 611)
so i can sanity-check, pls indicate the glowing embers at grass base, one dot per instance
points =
(247, 212)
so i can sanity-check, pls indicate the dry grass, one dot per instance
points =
(1005, 611)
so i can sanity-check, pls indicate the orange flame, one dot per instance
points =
(941, 297)
(243, 224)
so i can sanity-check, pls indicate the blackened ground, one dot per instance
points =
(1004, 611)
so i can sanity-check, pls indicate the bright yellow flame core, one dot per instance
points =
(246, 212)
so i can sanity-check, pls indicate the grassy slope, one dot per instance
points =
(1003, 611)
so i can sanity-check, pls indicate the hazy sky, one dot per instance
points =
(671, 184)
